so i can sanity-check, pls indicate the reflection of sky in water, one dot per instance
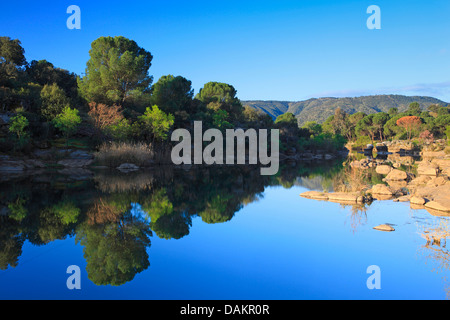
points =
(280, 247)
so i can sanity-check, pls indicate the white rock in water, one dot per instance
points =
(384, 227)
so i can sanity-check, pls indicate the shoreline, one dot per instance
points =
(426, 184)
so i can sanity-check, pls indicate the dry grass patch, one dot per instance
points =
(115, 153)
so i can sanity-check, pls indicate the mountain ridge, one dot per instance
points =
(319, 109)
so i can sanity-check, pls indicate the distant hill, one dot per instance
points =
(321, 108)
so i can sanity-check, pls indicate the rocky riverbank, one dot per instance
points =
(425, 183)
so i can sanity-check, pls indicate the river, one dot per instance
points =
(211, 233)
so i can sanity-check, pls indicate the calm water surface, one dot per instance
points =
(210, 234)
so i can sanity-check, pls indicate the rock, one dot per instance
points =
(383, 169)
(426, 168)
(384, 227)
(317, 195)
(342, 197)
(438, 181)
(397, 185)
(440, 205)
(417, 200)
(127, 167)
(79, 154)
(382, 189)
(75, 163)
(403, 199)
(396, 175)
(421, 180)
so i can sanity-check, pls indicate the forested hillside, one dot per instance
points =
(320, 109)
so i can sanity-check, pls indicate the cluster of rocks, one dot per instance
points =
(429, 189)
(46, 158)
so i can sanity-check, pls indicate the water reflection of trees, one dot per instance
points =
(113, 216)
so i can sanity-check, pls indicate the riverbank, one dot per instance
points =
(424, 181)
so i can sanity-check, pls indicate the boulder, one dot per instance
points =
(417, 200)
(382, 189)
(439, 205)
(403, 199)
(426, 168)
(383, 169)
(396, 175)
(438, 181)
(420, 180)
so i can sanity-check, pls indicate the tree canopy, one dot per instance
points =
(117, 69)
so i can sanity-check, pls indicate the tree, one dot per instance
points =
(173, 94)
(220, 120)
(341, 124)
(11, 52)
(378, 121)
(54, 100)
(434, 108)
(414, 108)
(440, 124)
(157, 122)
(313, 127)
(287, 120)
(393, 111)
(105, 116)
(17, 126)
(67, 121)
(426, 136)
(410, 124)
(44, 73)
(221, 96)
(117, 70)
(12, 60)
(366, 127)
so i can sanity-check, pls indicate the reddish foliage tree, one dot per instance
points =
(410, 124)
(426, 136)
(104, 115)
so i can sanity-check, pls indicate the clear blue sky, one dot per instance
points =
(268, 50)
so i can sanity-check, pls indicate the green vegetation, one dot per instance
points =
(115, 101)
(319, 110)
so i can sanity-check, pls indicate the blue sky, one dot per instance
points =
(268, 50)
